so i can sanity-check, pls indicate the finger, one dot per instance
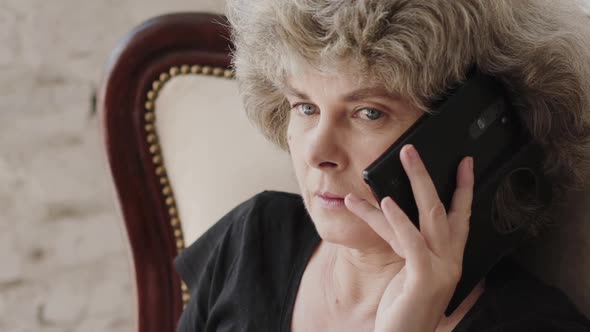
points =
(412, 244)
(460, 211)
(373, 217)
(433, 216)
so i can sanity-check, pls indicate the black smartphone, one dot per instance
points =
(474, 119)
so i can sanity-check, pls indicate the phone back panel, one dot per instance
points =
(442, 140)
(445, 137)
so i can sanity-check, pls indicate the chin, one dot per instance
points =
(344, 229)
(340, 226)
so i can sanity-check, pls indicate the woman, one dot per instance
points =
(335, 83)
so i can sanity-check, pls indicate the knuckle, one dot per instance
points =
(467, 215)
(438, 210)
(462, 215)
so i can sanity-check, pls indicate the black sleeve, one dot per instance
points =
(522, 302)
(544, 323)
(205, 263)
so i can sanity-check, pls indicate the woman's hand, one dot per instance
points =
(417, 296)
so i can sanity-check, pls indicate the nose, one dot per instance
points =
(325, 150)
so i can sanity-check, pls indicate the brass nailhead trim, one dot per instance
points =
(155, 150)
(218, 71)
(167, 191)
(228, 73)
(151, 138)
(149, 116)
(196, 69)
(169, 201)
(207, 70)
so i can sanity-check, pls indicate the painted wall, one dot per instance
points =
(64, 264)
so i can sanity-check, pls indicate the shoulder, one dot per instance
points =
(262, 210)
(515, 300)
(528, 303)
(267, 217)
(254, 246)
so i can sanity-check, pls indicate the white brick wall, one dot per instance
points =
(64, 265)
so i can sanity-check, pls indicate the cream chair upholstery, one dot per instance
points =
(214, 157)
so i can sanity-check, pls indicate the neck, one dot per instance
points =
(355, 280)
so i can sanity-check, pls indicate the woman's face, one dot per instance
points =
(337, 127)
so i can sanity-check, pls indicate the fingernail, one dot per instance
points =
(470, 163)
(385, 201)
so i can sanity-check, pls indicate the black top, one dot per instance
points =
(244, 273)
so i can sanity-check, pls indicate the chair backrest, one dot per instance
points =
(214, 158)
(180, 149)
(182, 153)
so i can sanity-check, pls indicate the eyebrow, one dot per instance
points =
(353, 96)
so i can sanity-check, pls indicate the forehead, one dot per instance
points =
(349, 86)
(296, 69)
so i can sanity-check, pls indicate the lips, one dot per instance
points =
(327, 194)
(330, 201)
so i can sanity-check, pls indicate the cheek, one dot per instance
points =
(368, 148)
(377, 142)
(295, 141)
(295, 145)
(298, 164)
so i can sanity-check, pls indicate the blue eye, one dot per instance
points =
(306, 109)
(372, 114)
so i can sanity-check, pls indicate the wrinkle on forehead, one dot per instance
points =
(295, 65)
(357, 86)
(357, 73)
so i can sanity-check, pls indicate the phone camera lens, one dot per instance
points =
(481, 123)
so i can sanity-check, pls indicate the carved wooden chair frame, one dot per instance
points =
(146, 59)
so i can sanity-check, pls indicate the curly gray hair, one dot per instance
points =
(540, 49)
